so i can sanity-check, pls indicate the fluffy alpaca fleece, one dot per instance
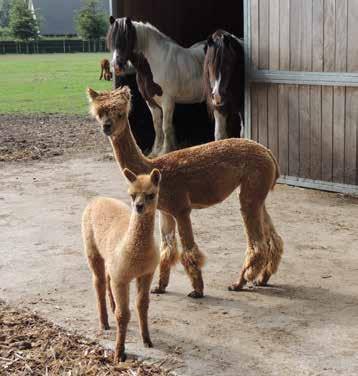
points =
(120, 247)
(196, 178)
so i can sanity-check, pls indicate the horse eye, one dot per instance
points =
(151, 196)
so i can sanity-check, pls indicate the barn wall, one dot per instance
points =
(311, 129)
(304, 35)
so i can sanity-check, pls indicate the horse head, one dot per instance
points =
(121, 40)
(223, 68)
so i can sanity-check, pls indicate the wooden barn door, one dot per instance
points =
(303, 95)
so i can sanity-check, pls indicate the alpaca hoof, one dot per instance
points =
(105, 326)
(235, 287)
(122, 357)
(196, 295)
(147, 343)
(158, 290)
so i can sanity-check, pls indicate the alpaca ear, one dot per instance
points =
(92, 95)
(131, 176)
(155, 177)
(112, 20)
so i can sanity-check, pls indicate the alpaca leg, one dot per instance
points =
(122, 314)
(220, 126)
(275, 250)
(157, 123)
(99, 282)
(257, 247)
(168, 127)
(110, 294)
(101, 75)
(143, 288)
(169, 251)
(192, 258)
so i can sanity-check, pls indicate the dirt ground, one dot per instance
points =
(305, 323)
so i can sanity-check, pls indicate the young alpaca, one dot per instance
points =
(105, 70)
(120, 247)
(196, 178)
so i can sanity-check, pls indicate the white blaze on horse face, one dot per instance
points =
(216, 87)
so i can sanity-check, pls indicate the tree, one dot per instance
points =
(91, 21)
(22, 22)
(4, 13)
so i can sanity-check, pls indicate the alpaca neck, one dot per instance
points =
(141, 229)
(128, 154)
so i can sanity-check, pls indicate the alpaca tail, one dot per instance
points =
(277, 168)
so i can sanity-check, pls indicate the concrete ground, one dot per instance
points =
(305, 323)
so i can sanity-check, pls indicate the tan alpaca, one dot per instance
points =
(105, 70)
(120, 247)
(196, 178)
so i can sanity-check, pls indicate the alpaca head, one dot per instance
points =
(144, 190)
(111, 109)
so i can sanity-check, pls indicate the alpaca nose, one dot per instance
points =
(139, 208)
(107, 129)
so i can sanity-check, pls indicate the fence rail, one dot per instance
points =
(52, 46)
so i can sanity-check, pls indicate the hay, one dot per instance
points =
(30, 345)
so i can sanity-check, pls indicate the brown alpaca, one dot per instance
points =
(196, 178)
(120, 247)
(105, 70)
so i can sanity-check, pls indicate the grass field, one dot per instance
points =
(51, 83)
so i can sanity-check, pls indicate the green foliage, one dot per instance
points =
(49, 83)
(90, 20)
(22, 23)
(5, 33)
(4, 13)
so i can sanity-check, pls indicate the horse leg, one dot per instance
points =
(191, 258)
(157, 123)
(168, 128)
(220, 126)
(169, 251)
(275, 250)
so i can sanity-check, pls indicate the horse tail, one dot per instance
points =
(277, 168)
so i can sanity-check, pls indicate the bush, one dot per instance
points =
(22, 23)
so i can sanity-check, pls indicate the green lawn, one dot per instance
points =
(51, 83)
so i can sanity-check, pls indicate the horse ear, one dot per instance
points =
(226, 39)
(131, 176)
(155, 177)
(92, 95)
(112, 20)
(210, 41)
(128, 21)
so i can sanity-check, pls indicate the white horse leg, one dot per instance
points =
(168, 128)
(159, 135)
(220, 126)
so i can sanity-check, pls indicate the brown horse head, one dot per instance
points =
(121, 40)
(224, 71)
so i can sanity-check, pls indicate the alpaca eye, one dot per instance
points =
(133, 195)
(151, 196)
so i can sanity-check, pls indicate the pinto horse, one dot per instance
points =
(224, 82)
(177, 70)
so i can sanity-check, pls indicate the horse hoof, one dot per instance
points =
(157, 290)
(196, 295)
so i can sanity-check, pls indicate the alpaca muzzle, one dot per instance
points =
(107, 129)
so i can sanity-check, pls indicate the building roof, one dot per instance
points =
(56, 17)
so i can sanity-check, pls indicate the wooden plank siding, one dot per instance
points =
(304, 35)
(312, 130)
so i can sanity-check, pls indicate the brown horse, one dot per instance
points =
(105, 70)
(224, 81)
